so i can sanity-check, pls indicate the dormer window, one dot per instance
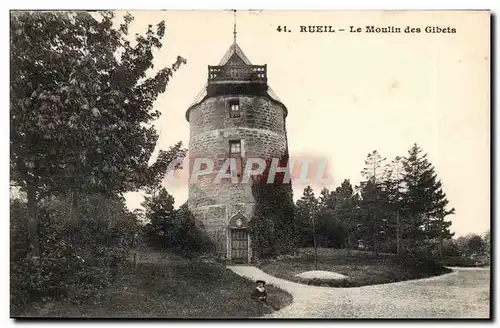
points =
(234, 109)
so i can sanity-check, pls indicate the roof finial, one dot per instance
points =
(234, 29)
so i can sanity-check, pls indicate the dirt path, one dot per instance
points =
(463, 293)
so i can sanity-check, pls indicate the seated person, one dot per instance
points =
(260, 291)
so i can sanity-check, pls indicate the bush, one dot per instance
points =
(342, 283)
(427, 267)
(173, 229)
(180, 235)
(77, 259)
(461, 261)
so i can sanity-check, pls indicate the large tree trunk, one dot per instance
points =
(314, 243)
(441, 240)
(348, 244)
(427, 228)
(398, 242)
(33, 222)
(413, 235)
(375, 235)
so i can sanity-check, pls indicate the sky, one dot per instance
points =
(348, 94)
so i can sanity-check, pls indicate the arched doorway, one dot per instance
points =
(239, 239)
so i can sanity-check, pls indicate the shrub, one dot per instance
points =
(173, 229)
(77, 258)
(461, 261)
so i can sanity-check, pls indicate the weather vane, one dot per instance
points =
(234, 26)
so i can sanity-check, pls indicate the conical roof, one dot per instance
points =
(233, 56)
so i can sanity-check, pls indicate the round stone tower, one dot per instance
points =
(235, 117)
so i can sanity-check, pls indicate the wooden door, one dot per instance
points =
(239, 245)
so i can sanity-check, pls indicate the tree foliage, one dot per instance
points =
(273, 226)
(77, 259)
(425, 203)
(398, 206)
(171, 228)
(306, 211)
(82, 99)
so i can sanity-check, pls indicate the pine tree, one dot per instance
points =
(374, 167)
(326, 218)
(160, 214)
(307, 210)
(371, 227)
(347, 209)
(424, 201)
(438, 227)
(331, 226)
(393, 194)
(371, 204)
(306, 207)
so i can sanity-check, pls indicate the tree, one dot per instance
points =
(371, 194)
(160, 214)
(330, 230)
(307, 209)
(186, 236)
(450, 248)
(337, 215)
(393, 189)
(462, 245)
(476, 245)
(471, 244)
(77, 257)
(424, 201)
(82, 96)
(374, 167)
(438, 227)
(371, 229)
(170, 228)
(347, 209)
(487, 241)
(326, 222)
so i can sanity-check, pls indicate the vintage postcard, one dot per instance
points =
(250, 164)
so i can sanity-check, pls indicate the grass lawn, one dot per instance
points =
(178, 289)
(362, 267)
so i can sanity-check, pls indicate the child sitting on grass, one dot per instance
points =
(260, 292)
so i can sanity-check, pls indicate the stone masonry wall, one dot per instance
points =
(261, 129)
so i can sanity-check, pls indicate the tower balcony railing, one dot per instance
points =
(233, 73)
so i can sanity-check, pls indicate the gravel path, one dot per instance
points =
(463, 293)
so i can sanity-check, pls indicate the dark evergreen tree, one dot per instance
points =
(424, 203)
(170, 228)
(160, 214)
(330, 231)
(373, 214)
(307, 209)
(372, 217)
(393, 190)
(347, 210)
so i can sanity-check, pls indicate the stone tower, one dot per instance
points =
(235, 116)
